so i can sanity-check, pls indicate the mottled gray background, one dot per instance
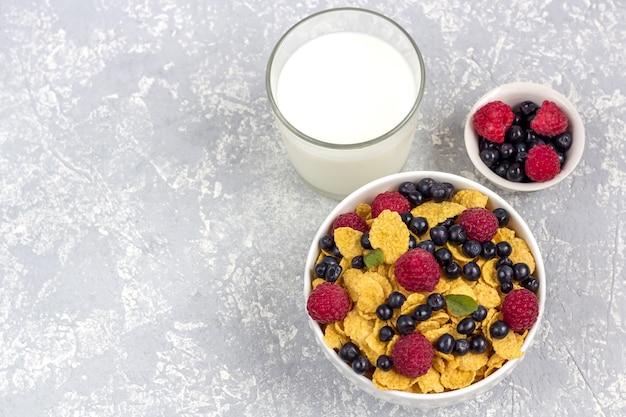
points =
(153, 233)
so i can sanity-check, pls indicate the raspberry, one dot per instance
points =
(328, 303)
(549, 120)
(412, 355)
(542, 163)
(417, 270)
(350, 219)
(479, 223)
(492, 120)
(520, 309)
(390, 200)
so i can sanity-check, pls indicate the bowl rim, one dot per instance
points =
(366, 193)
(512, 94)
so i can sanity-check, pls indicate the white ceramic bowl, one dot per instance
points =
(366, 194)
(513, 94)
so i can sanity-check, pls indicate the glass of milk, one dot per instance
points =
(345, 85)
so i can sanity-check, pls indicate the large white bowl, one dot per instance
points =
(513, 94)
(366, 194)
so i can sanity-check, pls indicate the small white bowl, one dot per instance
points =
(366, 194)
(513, 94)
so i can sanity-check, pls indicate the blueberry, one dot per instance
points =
(332, 272)
(450, 190)
(521, 271)
(521, 147)
(515, 134)
(502, 215)
(396, 299)
(384, 312)
(423, 186)
(406, 187)
(507, 150)
(445, 343)
(386, 333)
(457, 234)
(418, 225)
(336, 253)
(436, 301)
(327, 242)
(466, 326)
(365, 241)
(528, 107)
(330, 260)
(422, 312)
(447, 223)
(503, 249)
(406, 217)
(520, 158)
(502, 168)
(484, 143)
(471, 248)
(427, 245)
(438, 192)
(443, 256)
(461, 347)
(563, 141)
(320, 270)
(480, 313)
(405, 324)
(453, 270)
(358, 262)
(471, 271)
(499, 329)
(412, 242)
(488, 250)
(531, 284)
(415, 198)
(439, 235)
(361, 365)
(504, 261)
(505, 274)
(490, 157)
(506, 287)
(384, 363)
(349, 352)
(515, 173)
(478, 344)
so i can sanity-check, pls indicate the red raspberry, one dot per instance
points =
(479, 223)
(520, 309)
(417, 270)
(549, 120)
(350, 219)
(328, 303)
(390, 200)
(542, 163)
(412, 355)
(492, 120)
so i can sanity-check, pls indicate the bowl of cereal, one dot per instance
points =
(424, 288)
(524, 136)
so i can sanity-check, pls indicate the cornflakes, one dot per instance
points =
(390, 234)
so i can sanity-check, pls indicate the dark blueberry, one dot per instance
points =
(439, 192)
(329, 260)
(384, 363)
(515, 172)
(415, 198)
(365, 241)
(561, 156)
(406, 187)
(519, 119)
(507, 150)
(505, 274)
(358, 262)
(563, 141)
(332, 272)
(472, 248)
(528, 107)
(461, 347)
(445, 343)
(396, 299)
(478, 344)
(503, 249)
(439, 235)
(384, 312)
(521, 147)
(502, 168)
(453, 270)
(506, 287)
(320, 270)
(443, 256)
(533, 139)
(466, 326)
(436, 301)
(531, 284)
(502, 215)
(386, 333)
(504, 261)
(427, 245)
(521, 271)
(412, 242)
(484, 143)
(480, 313)
(488, 250)
(520, 158)
(405, 324)
(499, 329)
(336, 253)
(327, 242)
(447, 223)
(471, 271)
(422, 312)
(361, 365)
(515, 134)
(490, 157)
(418, 225)
(450, 190)
(457, 234)
(423, 186)
(406, 217)
(349, 352)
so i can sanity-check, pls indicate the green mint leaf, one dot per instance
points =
(461, 305)
(374, 258)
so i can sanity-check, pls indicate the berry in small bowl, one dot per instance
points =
(524, 136)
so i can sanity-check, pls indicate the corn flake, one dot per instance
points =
(435, 213)
(389, 233)
(348, 242)
(470, 198)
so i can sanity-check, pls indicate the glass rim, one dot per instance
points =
(357, 145)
